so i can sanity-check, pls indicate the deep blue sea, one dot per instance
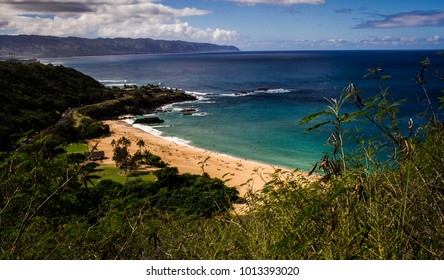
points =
(250, 103)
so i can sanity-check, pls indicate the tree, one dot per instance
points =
(121, 155)
(140, 144)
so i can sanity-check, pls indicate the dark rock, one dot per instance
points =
(149, 120)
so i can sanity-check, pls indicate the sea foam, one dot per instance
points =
(153, 131)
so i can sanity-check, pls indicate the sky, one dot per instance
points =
(248, 24)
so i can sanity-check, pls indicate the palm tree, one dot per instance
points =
(141, 144)
(125, 142)
(121, 156)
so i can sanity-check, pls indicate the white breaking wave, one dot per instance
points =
(153, 131)
(113, 81)
(203, 114)
(207, 101)
(201, 96)
(55, 63)
(248, 93)
(128, 120)
(177, 140)
(149, 115)
(196, 93)
(274, 90)
(239, 94)
(148, 129)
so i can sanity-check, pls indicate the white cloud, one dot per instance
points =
(409, 19)
(370, 42)
(280, 2)
(436, 39)
(119, 18)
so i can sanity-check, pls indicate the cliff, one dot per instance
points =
(33, 46)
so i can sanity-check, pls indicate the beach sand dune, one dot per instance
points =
(246, 175)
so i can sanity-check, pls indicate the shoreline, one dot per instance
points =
(246, 175)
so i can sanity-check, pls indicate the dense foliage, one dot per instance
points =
(36, 96)
(136, 100)
(49, 208)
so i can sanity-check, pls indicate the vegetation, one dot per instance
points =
(66, 103)
(50, 207)
(77, 148)
(35, 96)
(383, 200)
(124, 160)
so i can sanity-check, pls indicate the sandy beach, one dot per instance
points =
(244, 174)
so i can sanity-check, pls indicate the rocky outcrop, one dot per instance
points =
(149, 120)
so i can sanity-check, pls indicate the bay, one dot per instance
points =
(250, 103)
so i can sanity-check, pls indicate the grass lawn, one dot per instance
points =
(111, 172)
(108, 171)
(76, 148)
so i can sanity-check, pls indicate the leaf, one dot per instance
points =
(312, 169)
(311, 117)
(316, 126)
(367, 75)
(426, 62)
(385, 77)
(347, 117)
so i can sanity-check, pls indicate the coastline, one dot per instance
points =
(245, 175)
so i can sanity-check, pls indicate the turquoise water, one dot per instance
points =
(250, 103)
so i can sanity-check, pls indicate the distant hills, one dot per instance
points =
(34, 46)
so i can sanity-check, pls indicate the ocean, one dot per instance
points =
(250, 103)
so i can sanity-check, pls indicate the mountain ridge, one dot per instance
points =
(36, 46)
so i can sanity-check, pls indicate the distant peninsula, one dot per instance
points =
(34, 46)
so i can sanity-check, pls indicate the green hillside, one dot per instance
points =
(36, 96)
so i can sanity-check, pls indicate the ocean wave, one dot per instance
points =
(200, 96)
(177, 140)
(149, 129)
(207, 101)
(160, 126)
(165, 108)
(202, 99)
(273, 90)
(257, 91)
(153, 131)
(55, 63)
(113, 81)
(197, 93)
(201, 114)
(149, 115)
(239, 94)
(128, 120)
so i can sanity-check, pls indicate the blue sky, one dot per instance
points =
(247, 24)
